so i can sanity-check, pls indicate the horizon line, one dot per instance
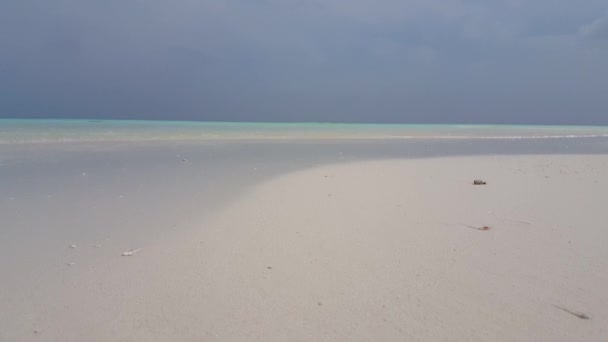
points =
(297, 122)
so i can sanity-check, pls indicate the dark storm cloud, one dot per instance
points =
(317, 60)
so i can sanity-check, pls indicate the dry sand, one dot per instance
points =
(365, 251)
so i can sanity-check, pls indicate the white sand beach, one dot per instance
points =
(382, 250)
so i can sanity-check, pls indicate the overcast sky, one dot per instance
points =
(434, 61)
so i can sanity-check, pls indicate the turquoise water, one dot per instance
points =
(50, 131)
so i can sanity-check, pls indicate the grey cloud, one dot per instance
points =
(294, 60)
(597, 29)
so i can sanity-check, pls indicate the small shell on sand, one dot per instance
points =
(70, 263)
(131, 252)
(72, 246)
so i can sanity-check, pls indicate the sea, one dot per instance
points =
(56, 131)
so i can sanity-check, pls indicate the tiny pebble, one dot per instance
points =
(70, 263)
(72, 246)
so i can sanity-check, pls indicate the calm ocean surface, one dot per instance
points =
(50, 131)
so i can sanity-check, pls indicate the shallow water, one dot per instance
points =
(48, 131)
